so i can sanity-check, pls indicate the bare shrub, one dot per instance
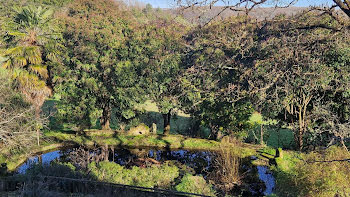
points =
(18, 124)
(82, 157)
(227, 165)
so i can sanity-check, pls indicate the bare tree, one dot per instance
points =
(343, 5)
(246, 6)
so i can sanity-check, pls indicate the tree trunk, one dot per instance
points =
(166, 118)
(300, 140)
(344, 6)
(40, 160)
(342, 142)
(37, 116)
(106, 116)
(261, 134)
(105, 153)
(300, 132)
(301, 118)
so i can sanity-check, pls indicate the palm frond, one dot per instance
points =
(15, 51)
(33, 16)
(6, 64)
(17, 34)
(20, 61)
(25, 80)
(31, 86)
(21, 56)
(33, 54)
(40, 70)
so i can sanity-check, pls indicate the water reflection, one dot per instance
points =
(199, 162)
(44, 159)
(266, 176)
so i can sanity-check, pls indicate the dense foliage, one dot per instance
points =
(100, 73)
(102, 60)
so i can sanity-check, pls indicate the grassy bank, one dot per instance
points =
(13, 160)
(320, 173)
(159, 141)
(58, 139)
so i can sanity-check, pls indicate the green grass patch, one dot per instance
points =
(273, 136)
(160, 141)
(196, 185)
(155, 176)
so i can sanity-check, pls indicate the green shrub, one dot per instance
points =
(316, 175)
(153, 176)
(55, 169)
(195, 184)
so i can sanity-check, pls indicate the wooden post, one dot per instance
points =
(154, 128)
(261, 134)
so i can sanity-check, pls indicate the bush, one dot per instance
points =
(227, 165)
(55, 169)
(317, 174)
(195, 184)
(18, 123)
(154, 176)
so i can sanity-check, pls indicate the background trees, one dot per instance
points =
(287, 69)
(246, 6)
(104, 58)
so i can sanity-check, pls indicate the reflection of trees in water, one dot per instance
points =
(200, 161)
(81, 157)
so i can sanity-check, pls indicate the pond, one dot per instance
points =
(258, 181)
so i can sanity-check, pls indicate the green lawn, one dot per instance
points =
(148, 114)
(159, 141)
(273, 137)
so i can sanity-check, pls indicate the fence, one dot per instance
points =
(35, 186)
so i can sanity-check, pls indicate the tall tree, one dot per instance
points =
(291, 74)
(163, 38)
(30, 42)
(29, 47)
(100, 74)
(215, 60)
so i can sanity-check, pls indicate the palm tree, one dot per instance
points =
(28, 38)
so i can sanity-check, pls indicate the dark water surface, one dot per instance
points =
(200, 161)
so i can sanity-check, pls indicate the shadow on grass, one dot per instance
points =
(120, 144)
(179, 124)
(167, 144)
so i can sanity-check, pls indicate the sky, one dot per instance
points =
(300, 3)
